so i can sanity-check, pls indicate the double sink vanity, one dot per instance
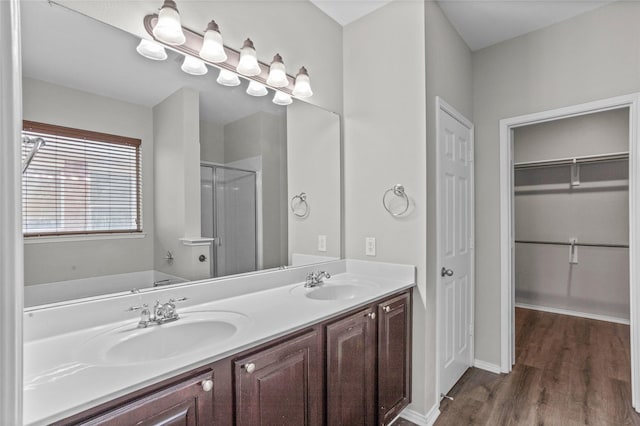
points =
(249, 349)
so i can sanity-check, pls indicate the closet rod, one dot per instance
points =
(565, 243)
(615, 156)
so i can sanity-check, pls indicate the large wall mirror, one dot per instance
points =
(220, 183)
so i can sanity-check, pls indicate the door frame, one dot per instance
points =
(443, 107)
(11, 245)
(507, 281)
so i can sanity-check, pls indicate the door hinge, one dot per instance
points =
(472, 243)
(471, 329)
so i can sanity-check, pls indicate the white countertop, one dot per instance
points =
(59, 381)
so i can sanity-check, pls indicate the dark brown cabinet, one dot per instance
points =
(353, 369)
(394, 356)
(281, 385)
(187, 403)
(350, 364)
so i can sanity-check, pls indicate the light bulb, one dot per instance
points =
(248, 63)
(168, 28)
(281, 98)
(302, 88)
(193, 66)
(256, 89)
(227, 78)
(151, 50)
(212, 46)
(277, 74)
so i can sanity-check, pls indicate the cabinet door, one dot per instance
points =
(281, 385)
(351, 344)
(187, 403)
(394, 357)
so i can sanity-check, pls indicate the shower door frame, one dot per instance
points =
(214, 245)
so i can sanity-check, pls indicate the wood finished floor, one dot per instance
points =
(569, 371)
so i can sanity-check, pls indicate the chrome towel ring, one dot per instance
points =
(397, 190)
(300, 208)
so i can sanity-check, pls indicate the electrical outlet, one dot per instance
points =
(322, 243)
(370, 246)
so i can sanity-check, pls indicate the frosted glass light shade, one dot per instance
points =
(151, 50)
(168, 28)
(248, 63)
(302, 88)
(256, 89)
(277, 73)
(227, 78)
(281, 98)
(212, 47)
(193, 66)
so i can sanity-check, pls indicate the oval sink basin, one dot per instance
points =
(192, 332)
(337, 289)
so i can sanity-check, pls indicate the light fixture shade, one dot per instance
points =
(212, 47)
(248, 64)
(168, 28)
(227, 78)
(281, 98)
(193, 66)
(302, 89)
(256, 89)
(151, 50)
(277, 73)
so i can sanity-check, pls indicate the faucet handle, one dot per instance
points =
(137, 308)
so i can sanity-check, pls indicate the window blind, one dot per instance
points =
(80, 182)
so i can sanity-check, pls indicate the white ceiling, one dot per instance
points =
(481, 23)
(107, 64)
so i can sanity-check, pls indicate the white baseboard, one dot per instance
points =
(487, 366)
(420, 419)
(574, 313)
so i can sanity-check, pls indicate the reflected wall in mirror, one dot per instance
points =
(219, 169)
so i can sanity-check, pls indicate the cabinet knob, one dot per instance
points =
(250, 367)
(387, 309)
(207, 385)
(372, 315)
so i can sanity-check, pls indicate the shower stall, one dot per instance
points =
(229, 216)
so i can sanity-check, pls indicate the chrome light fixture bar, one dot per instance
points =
(192, 46)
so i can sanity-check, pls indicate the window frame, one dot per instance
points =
(90, 136)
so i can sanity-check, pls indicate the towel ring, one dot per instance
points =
(301, 208)
(398, 190)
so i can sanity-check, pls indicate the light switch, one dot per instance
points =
(370, 246)
(322, 243)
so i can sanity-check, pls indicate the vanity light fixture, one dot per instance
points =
(302, 88)
(281, 98)
(212, 46)
(277, 73)
(256, 89)
(151, 50)
(193, 66)
(248, 64)
(228, 78)
(168, 28)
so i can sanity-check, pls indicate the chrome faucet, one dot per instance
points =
(314, 279)
(160, 314)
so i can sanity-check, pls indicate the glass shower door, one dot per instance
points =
(229, 217)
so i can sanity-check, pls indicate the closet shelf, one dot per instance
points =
(566, 243)
(587, 159)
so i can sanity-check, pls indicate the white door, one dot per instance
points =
(455, 246)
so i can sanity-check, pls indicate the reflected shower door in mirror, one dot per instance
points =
(230, 218)
(189, 222)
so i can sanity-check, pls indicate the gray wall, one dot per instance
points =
(313, 157)
(547, 208)
(66, 260)
(264, 135)
(177, 185)
(211, 142)
(592, 56)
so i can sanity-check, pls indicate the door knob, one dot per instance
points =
(207, 385)
(250, 367)
(372, 315)
(446, 272)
